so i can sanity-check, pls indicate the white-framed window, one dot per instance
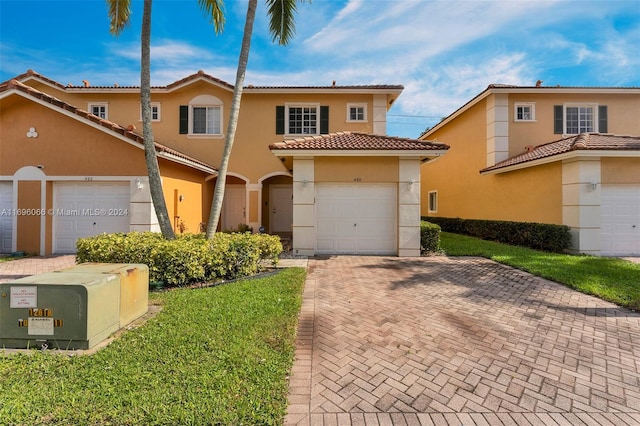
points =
(100, 109)
(203, 117)
(580, 118)
(155, 111)
(303, 119)
(357, 112)
(433, 202)
(524, 111)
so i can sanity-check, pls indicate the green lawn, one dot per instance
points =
(217, 355)
(611, 279)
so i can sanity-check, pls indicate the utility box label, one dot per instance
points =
(24, 297)
(40, 326)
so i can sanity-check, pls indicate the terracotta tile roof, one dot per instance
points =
(581, 142)
(355, 141)
(203, 75)
(109, 125)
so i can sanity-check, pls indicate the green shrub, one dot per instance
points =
(539, 236)
(429, 237)
(187, 259)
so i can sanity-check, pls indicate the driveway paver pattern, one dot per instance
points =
(458, 341)
(20, 268)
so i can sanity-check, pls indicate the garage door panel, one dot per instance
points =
(620, 220)
(358, 218)
(88, 205)
(6, 221)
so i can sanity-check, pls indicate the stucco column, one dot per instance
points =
(142, 214)
(581, 203)
(304, 214)
(409, 208)
(497, 128)
(254, 208)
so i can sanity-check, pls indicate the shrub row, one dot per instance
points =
(187, 259)
(539, 236)
(429, 237)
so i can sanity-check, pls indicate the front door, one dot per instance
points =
(281, 208)
(233, 207)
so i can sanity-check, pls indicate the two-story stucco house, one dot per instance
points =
(309, 163)
(559, 155)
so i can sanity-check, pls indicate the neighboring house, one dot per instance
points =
(190, 117)
(558, 155)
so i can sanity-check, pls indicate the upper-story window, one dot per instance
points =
(100, 109)
(356, 112)
(155, 111)
(302, 119)
(571, 119)
(202, 117)
(525, 111)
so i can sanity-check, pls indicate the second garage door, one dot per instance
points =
(6, 216)
(88, 208)
(356, 219)
(620, 220)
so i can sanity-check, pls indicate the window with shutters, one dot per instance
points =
(202, 117)
(302, 119)
(572, 119)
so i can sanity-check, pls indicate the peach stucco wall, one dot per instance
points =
(251, 156)
(532, 195)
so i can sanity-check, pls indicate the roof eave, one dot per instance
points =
(403, 153)
(586, 153)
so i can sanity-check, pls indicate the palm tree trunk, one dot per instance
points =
(151, 159)
(218, 196)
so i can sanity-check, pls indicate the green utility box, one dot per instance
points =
(134, 286)
(59, 310)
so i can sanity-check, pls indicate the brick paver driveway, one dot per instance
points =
(393, 341)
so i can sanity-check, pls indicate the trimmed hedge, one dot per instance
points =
(187, 259)
(429, 237)
(539, 236)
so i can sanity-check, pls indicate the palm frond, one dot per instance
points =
(119, 13)
(282, 20)
(214, 9)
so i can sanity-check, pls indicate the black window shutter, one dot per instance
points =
(602, 119)
(324, 120)
(558, 127)
(279, 119)
(184, 119)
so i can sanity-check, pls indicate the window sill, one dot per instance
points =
(524, 121)
(199, 136)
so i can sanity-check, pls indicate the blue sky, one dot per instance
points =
(443, 52)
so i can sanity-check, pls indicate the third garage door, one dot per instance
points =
(356, 219)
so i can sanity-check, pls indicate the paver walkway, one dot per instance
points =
(459, 341)
(20, 268)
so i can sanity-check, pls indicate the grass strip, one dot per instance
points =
(218, 355)
(611, 279)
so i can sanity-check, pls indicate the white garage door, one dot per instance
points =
(356, 219)
(620, 220)
(6, 216)
(86, 209)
